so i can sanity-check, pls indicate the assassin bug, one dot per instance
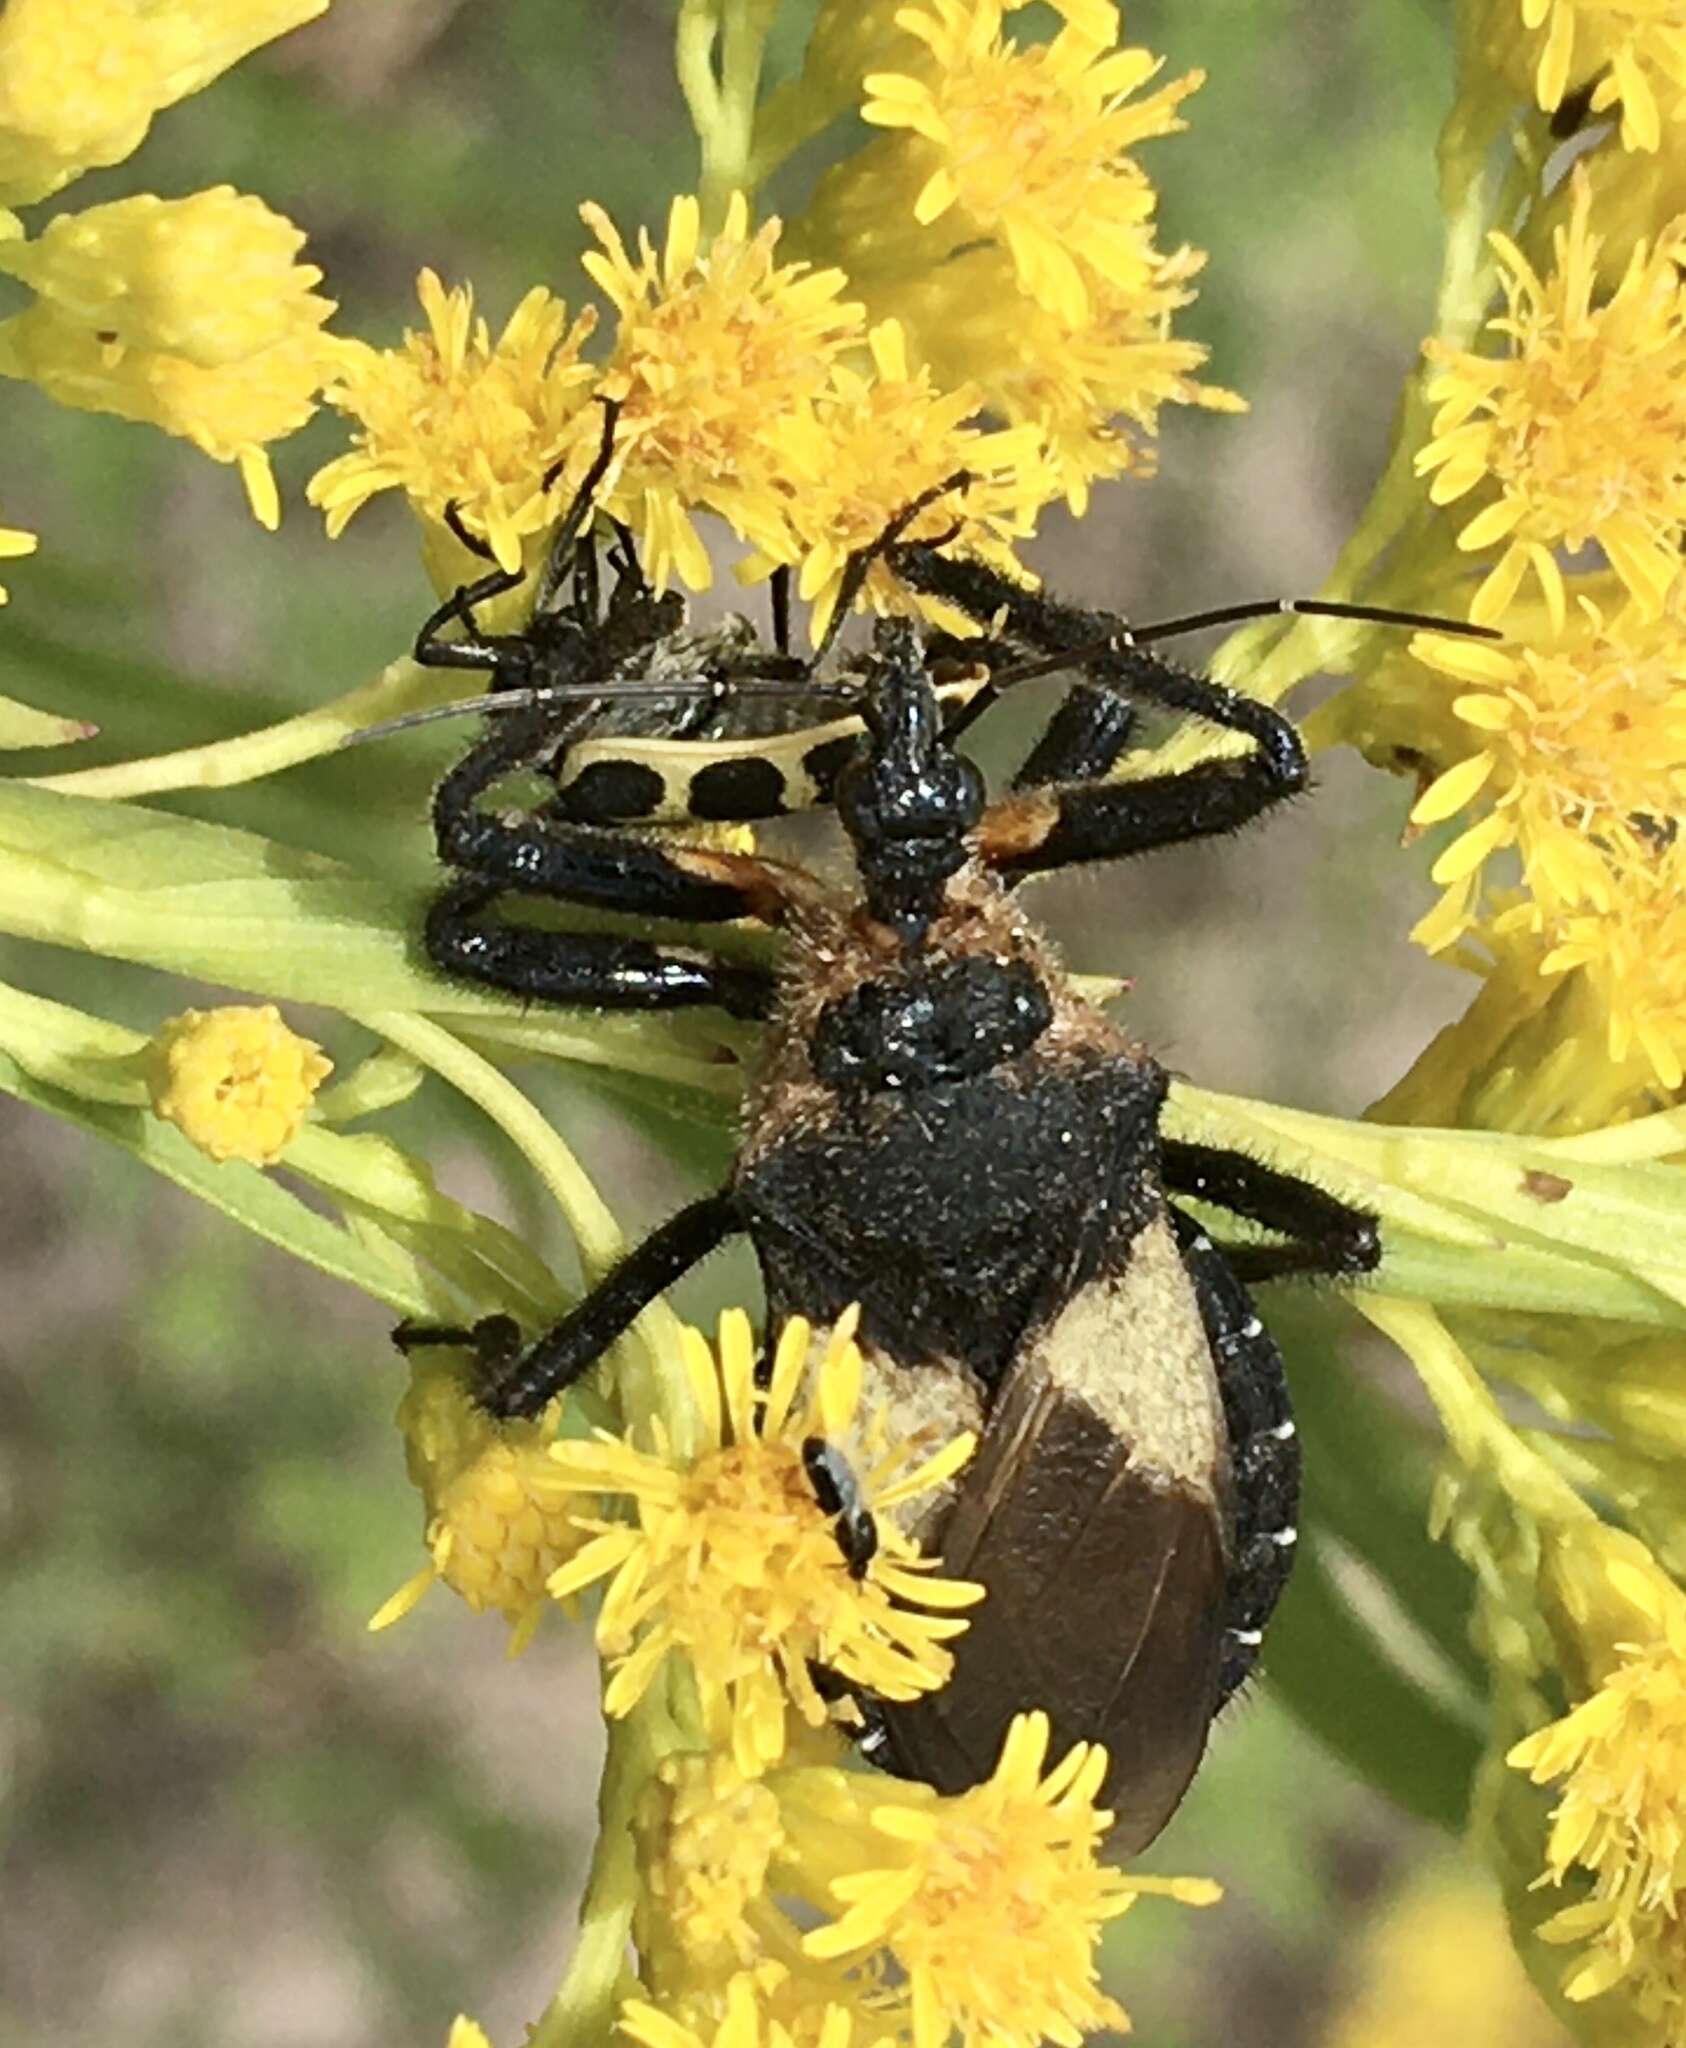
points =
(943, 1131)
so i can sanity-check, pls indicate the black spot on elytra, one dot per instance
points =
(610, 792)
(737, 790)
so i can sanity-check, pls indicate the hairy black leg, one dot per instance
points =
(543, 855)
(1326, 1235)
(495, 1339)
(780, 582)
(563, 1353)
(1053, 825)
(1082, 740)
(580, 507)
(1263, 1448)
(517, 740)
(465, 936)
(499, 652)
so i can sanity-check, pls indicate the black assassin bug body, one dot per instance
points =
(940, 1129)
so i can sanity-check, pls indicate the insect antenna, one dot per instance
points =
(1129, 637)
(536, 696)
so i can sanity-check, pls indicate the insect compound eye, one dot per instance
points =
(936, 1022)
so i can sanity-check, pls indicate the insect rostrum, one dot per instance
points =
(943, 1131)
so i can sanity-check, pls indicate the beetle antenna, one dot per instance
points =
(536, 696)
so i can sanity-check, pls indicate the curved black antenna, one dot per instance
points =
(1236, 614)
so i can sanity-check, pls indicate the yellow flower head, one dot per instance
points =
(1576, 752)
(1077, 389)
(1621, 1757)
(497, 1521)
(235, 1081)
(451, 416)
(189, 314)
(211, 277)
(989, 1903)
(1635, 49)
(733, 1564)
(79, 84)
(746, 2022)
(715, 348)
(1028, 147)
(1634, 956)
(877, 441)
(1581, 425)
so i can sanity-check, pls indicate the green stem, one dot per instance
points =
(722, 102)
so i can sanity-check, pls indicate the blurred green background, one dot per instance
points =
(229, 1815)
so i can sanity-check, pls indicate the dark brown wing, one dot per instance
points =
(1105, 1605)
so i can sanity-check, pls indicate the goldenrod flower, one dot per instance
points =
(452, 417)
(467, 2033)
(1581, 424)
(1082, 390)
(14, 541)
(189, 314)
(235, 1081)
(1634, 955)
(497, 1521)
(733, 1564)
(79, 83)
(1577, 751)
(211, 277)
(745, 2023)
(874, 443)
(1635, 49)
(713, 348)
(1027, 146)
(1621, 1757)
(988, 1903)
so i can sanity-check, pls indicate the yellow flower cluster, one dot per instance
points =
(812, 1896)
(1562, 748)
(1619, 1758)
(779, 1898)
(193, 314)
(236, 1082)
(974, 295)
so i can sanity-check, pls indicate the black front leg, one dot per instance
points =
(563, 1353)
(1326, 1235)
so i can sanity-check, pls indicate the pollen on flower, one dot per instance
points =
(236, 1081)
(1029, 147)
(990, 1903)
(733, 1564)
(1580, 425)
(1620, 1758)
(452, 417)
(711, 345)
